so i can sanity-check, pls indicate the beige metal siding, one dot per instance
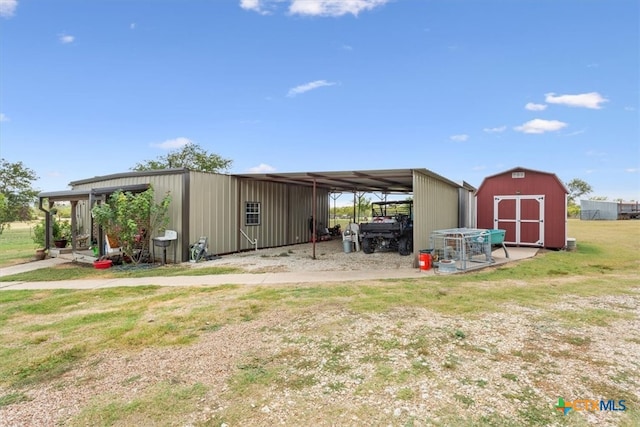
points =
(83, 217)
(301, 208)
(213, 211)
(435, 208)
(467, 211)
(285, 212)
(162, 184)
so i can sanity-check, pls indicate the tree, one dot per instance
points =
(190, 156)
(364, 206)
(577, 188)
(131, 219)
(16, 192)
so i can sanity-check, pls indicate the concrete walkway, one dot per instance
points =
(515, 254)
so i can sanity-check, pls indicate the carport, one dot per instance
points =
(438, 202)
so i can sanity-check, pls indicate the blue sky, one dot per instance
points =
(465, 88)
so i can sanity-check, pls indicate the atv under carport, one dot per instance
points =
(391, 228)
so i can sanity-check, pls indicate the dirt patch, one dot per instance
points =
(329, 366)
(329, 255)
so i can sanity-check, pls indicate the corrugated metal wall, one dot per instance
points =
(467, 210)
(213, 211)
(285, 212)
(172, 183)
(214, 207)
(435, 207)
(596, 209)
(83, 217)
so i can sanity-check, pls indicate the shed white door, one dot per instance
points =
(522, 217)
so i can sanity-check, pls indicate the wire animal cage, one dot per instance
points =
(466, 247)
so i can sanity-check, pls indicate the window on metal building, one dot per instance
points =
(252, 213)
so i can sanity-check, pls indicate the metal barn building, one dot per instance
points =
(530, 205)
(240, 212)
(598, 209)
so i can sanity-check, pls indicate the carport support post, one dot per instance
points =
(314, 219)
(335, 197)
(354, 206)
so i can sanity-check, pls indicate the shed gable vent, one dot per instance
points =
(517, 174)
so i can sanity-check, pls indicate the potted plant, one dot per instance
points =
(61, 231)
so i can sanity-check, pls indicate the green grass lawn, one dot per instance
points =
(45, 334)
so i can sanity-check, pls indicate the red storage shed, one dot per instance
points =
(530, 205)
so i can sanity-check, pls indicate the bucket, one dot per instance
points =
(447, 266)
(571, 243)
(347, 246)
(425, 259)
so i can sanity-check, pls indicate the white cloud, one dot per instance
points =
(459, 138)
(255, 6)
(535, 107)
(8, 8)
(632, 170)
(3, 118)
(540, 126)
(495, 130)
(585, 100)
(261, 168)
(333, 7)
(330, 8)
(307, 87)
(629, 109)
(170, 144)
(66, 39)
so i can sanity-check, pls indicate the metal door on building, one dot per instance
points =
(522, 217)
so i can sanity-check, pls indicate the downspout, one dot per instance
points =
(47, 224)
(185, 226)
(74, 225)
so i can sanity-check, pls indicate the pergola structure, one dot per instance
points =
(74, 196)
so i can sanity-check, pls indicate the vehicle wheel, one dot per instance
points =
(367, 246)
(404, 246)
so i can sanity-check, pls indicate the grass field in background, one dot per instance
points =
(16, 244)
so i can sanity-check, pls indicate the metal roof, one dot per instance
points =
(129, 174)
(76, 195)
(380, 180)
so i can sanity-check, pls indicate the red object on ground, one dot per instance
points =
(103, 264)
(425, 261)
